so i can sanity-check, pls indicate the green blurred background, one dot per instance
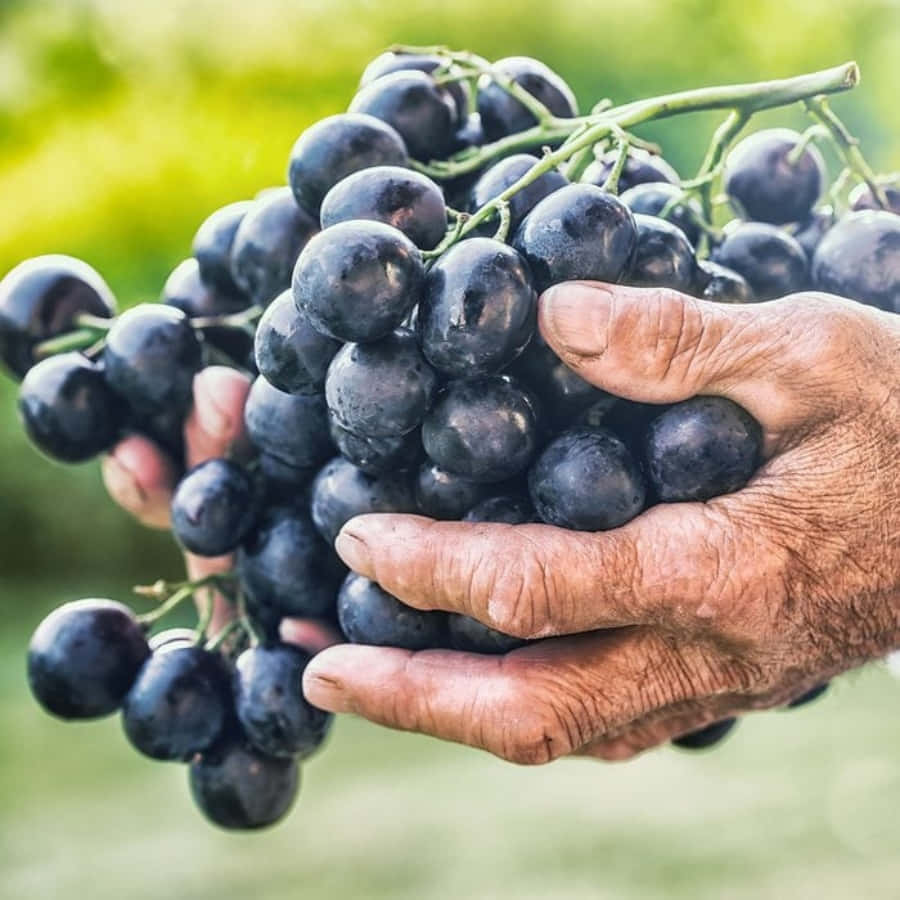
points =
(121, 126)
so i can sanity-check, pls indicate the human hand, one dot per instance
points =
(692, 612)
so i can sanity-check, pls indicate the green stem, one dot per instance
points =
(502, 232)
(97, 323)
(611, 185)
(243, 319)
(205, 617)
(223, 635)
(813, 133)
(709, 169)
(79, 339)
(246, 621)
(177, 594)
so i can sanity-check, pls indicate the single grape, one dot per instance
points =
(468, 635)
(505, 173)
(151, 357)
(443, 495)
(378, 456)
(650, 198)
(641, 167)
(860, 258)
(809, 233)
(771, 261)
(290, 354)
(861, 197)
(720, 284)
(267, 244)
(663, 256)
(502, 114)
(68, 411)
(577, 233)
(84, 657)
(422, 112)
(213, 508)
(179, 704)
(763, 181)
(342, 491)
(170, 638)
(357, 281)
(702, 448)
(407, 200)
(587, 480)
(277, 719)
(238, 788)
(705, 737)
(335, 147)
(508, 509)
(478, 309)
(213, 242)
(292, 428)
(370, 615)
(484, 429)
(40, 299)
(381, 389)
(811, 695)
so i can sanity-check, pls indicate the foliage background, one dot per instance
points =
(121, 126)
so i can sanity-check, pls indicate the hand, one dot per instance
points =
(141, 479)
(692, 612)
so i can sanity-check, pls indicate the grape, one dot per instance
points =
(213, 242)
(374, 455)
(214, 508)
(408, 201)
(171, 638)
(423, 113)
(292, 428)
(277, 719)
(771, 261)
(484, 429)
(237, 787)
(702, 448)
(382, 389)
(809, 233)
(68, 410)
(342, 491)
(478, 309)
(502, 114)
(705, 737)
(577, 232)
(765, 184)
(290, 354)
(267, 244)
(860, 258)
(84, 657)
(811, 695)
(370, 615)
(720, 284)
(357, 281)
(641, 167)
(663, 256)
(40, 299)
(470, 636)
(861, 198)
(587, 480)
(279, 476)
(179, 704)
(652, 197)
(505, 173)
(443, 495)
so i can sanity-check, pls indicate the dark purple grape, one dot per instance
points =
(382, 389)
(721, 285)
(810, 696)
(765, 185)
(342, 491)
(641, 167)
(370, 615)
(809, 233)
(771, 261)
(238, 788)
(502, 114)
(268, 693)
(705, 737)
(505, 173)
(378, 456)
(213, 508)
(359, 280)
(290, 354)
(84, 657)
(587, 480)
(484, 429)
(443, 495)
(280, 476)
(861, 198)
(172, 637)
(422, 112)
(470, 134)
(292, 428)
(663, 256)
(267, 244)
(507, 509)
(702, 448)
(651, 197)
(468, 635)
(478, 309)
(179, 703)
(860, 258)
(407, 200)
(577, 233)
(213, 242)
(40, 299)
(68, 411)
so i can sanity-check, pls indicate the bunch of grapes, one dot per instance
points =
(385, 302)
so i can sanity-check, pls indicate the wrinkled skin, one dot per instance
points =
(692, 612)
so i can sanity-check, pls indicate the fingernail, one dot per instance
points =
(574, 317)
(353, 550)
(122, 484)
(212, 417)
(324, 687)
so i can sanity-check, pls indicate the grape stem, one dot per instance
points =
(246, 318)
(78, 339)
(177, 593)
(611, 185)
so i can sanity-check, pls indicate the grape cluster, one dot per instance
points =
(389, 320)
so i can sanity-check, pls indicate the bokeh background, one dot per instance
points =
(121, 126)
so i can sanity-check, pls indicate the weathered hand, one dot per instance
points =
(691, 612)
